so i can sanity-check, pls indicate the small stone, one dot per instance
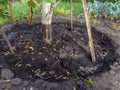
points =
(6, 74)
(16, 81)
(38, 83)
(25, 83)
(8, 85)
(1, 82)
(115, 64)
(53, 86)
(112, 67)
(112, 72)
(7, 89)
(2, 86)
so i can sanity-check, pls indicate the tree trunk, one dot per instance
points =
(47, 33)
(46, 19)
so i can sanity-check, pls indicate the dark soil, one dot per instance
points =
(65, 64)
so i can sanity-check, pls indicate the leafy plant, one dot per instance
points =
(106, 9)
(74, 56)
(90, 81)
(3, 9)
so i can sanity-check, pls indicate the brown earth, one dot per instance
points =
(65, 64)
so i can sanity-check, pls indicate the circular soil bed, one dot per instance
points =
(65, 64)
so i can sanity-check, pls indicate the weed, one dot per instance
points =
(90, 81)
(114, 26)
(74, 56)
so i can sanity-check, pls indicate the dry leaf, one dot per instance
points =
(31, 48)
(5, 81)
(40, 53)
(28, 65)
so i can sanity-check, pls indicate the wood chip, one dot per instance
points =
(31, 48)
(28, 65)
(6, 81)
(74, 88)
(46, 59)
(40, 53)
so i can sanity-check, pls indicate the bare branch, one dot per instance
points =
(55, 5)
(8, 42)
(38, 5)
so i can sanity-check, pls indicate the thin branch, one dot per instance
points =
(38, 5)
(55, 5)
(52, 7)
(8, 43)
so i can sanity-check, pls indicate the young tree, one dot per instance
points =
(46, 18)
(30, 11)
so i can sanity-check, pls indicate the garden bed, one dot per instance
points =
(64, 64)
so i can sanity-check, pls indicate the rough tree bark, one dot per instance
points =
(46, 18)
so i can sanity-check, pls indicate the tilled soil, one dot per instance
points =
(65, 64)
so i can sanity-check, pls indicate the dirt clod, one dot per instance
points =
(6, 74)
(16, 81)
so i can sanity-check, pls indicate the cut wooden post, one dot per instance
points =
(89, 30)
(71, 15)
(30, 14)
(8, 43)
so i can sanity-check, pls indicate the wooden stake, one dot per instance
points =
(89, 31)
(71, 22)
(30, 14)
(8, 43)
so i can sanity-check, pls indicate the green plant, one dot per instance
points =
(114, 26)
(3, 10)
(20, 10)
(74, 56)
(106, 9)
(90, 81)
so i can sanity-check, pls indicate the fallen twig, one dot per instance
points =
(8, 43)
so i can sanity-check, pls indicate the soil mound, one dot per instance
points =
(66, 61)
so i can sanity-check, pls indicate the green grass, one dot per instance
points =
(21, 10)
(64, 9)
